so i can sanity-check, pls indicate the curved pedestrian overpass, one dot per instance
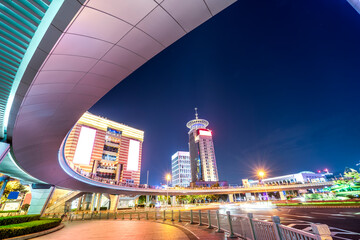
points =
(59, 57)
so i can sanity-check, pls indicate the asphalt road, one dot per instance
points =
(344, 223)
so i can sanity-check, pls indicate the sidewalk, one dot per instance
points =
(132, 229)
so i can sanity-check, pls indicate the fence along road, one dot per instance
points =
(245, 227)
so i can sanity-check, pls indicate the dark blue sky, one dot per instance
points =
(277, 80)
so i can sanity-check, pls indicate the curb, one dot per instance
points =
(37, 234)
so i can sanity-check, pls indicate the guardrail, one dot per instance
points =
(245, 227)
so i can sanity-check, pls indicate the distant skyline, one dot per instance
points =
(277, 80)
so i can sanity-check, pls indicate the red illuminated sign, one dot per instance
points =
(205, 133)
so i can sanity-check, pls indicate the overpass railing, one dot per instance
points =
(243, 226)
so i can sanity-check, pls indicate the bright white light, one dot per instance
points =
(204, 133)
(84, 146)
(133, 156)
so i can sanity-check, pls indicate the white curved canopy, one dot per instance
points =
(105, 42)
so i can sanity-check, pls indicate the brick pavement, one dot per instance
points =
(134, 229)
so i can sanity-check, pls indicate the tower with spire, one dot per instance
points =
(202, 152)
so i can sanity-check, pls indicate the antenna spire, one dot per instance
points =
(196, 114)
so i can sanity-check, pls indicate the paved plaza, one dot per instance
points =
(120, 229)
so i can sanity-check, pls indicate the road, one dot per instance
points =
(344, 223)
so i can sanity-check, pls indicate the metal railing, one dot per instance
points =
(243, 226)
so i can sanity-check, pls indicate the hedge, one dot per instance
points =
(14, 230)
(18, 219)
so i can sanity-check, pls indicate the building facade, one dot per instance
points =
(105, 149)
(301, 177)
(181, 169)
(202, 152)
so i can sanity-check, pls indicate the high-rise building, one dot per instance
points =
(202, 153)
(181, 170)
(105, 149)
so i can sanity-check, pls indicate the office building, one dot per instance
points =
(181, 170)
(202, 153)
(105, 149)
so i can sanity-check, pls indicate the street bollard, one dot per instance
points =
(147, 215)
(108, 215)
(155, 215)
(200, 224)
(191, 217)
(100, 215)
(123, 216)
(164, 215)
(138, 216)
(231, 234)
(172, 215)
(115, 215)
(209, 220)
(180, 216)
(130, 216)
(218, 222)
(83, 215)
(91, 216)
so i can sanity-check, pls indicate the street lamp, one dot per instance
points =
(261, 175)
(168, 178)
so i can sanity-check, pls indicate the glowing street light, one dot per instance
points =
(168, 178)
(261, 174)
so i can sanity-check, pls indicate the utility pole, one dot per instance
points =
(147, 179)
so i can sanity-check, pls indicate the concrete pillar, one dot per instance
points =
(173, 200)
(282, 195)
(147, 200)
(80, 201)
(231, 198)
(92, 203)
(98, 200)
(114, 200)
(40, 196)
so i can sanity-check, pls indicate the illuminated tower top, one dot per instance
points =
(197, 123)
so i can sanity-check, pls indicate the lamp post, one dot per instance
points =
(168, 178)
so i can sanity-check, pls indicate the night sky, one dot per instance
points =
(277, 80)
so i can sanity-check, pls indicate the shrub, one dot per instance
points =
(14, 230)
(18, 219)
(25, 207)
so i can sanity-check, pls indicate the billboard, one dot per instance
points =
(84, 146)
(205, 133)
(133, 156)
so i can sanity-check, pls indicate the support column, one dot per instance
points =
(114, 200)
(282, 195)
(92, 203)
(173, 201)
(147, 200)
(231, 198)
(98, 200)
(80, 201)
(40, 196)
